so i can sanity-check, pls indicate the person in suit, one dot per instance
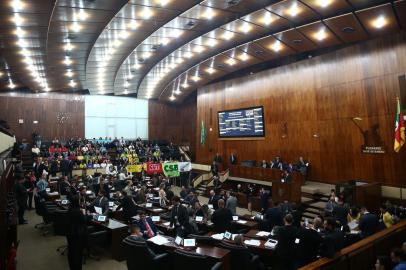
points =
(340, 212)
(128, 205)
(135, 233)
(65, 186)
(147, 226)
(273, 216)
(296, 214)
(308, 246)
(286, 245)
(213, 199)
(218, 159)
(179, 217)
(368, 223)
(233, 159)
(214, 169)
(102, 202)
(277, 163)
(222, 218)
(183, 193)
(263, 164)
(333, 240)
(21, 194)
(286, 177)
(264, 200)
(302, 166)
(231, 202)
(76, 234)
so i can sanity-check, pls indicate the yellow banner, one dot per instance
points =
(134, 168)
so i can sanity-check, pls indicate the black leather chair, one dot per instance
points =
(241, 257)
(60, 225)
(95, 241)
(202, 239)
(139, 256)
(190, 260)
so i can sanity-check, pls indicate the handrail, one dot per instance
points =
(369, 241)
(184, 153)
(224, 175)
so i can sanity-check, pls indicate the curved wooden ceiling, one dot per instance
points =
(164, 49)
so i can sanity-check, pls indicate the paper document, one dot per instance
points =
(159, 240)
(98, 210)
(252, 242)
(263, 233)
(271, 244)
(242, 221)
(218, 236)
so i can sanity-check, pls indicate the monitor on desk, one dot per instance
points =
(48, 190)
(199, 218)
(111, 204)
(228, 235)
(156, 218)
(101, 218)
(148, 205)
(210, 206)
(235, 218)
(98, 210)
(189, 242)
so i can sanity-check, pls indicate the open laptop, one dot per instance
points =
(235, 218)
(189, 243)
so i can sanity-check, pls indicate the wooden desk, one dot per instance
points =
(215, 253)
(249, 224)
(253, 234)
(118, 232)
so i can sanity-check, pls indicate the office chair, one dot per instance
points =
(190, 260)
(202, 239)
(60, 225)
(241, 257)
(139, 256)
(95, 240)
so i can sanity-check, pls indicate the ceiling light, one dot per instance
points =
(212, 42)
(137, 66)
(163, 2)
(231, 62)
(25, 52)
(111, 50)
(379, 22)
(277, 46)
(188, 54)
(208, 14)
(72, 83)
(172, 97)
(293, 10)
(320, 35)
(125, 92)
(67, 61)
(267, 19)
(195, 78)
(228, 35)
(11, 85)
(17, 19)
(124, 34)
(184, 85)
(323, 3)
(245, 28)
(82, 15)
(117, 43)
(146, 13)
(179, 60)
(22, 43)
(17, 4)
(210, 70)
(1, 74)
(75, 27)
(126, 84)
(244, 57)
(177, 91)
(165, 41)
(69, 73)
(199, 49)
(134, 25)
(146, 55)
(68, 47)
(19, 32)
(176, 33)
(130, 77)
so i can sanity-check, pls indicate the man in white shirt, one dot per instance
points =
(35, 150)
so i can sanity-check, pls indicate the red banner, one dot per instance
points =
(154, 168)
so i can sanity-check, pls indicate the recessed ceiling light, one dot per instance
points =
(130, 77)
(125, 92)
(67, 61)
(231, 62)
(212, 42)
(277, 46)
(11, 85)
(184, 85)
(134, 25)
(117, 43)
(165, 41)
(17, 19)
(179, 60)
(172, 98)
(177, 91)
(379, 22)
(243, 57)
(146, 55)
(199, 49)
(188, 54)
(323, 3)
(321, 34)
(19, 32)
(228, 35)
(210, 70)
(137, 66)
(195, 78)
(146, 13)
(124, 34)
(82, 15)
(293, 10)
(75, 27)
(176, 33)
(68, 47)
(17, 4)
(163, 2)
(72, 83)
(69, 73)
(126, 84)
(246, 27)
(267, 19)
(1, 74)
(208, 14)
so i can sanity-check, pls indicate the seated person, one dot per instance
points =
(135, 233)
(398, 257)
(277, 163)
(102, 202)
(385, 217)
(368, 223)
(147, 226)
(222, 218)
(333, 239)
(263, 164)
(128, 205)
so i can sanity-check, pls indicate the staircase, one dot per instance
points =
(314, 198)
(26, 158)
(201, 189)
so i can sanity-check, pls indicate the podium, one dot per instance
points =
(290, 191)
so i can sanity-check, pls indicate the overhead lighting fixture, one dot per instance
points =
(17, 4)
(68, 47)
(72, 83)
(67, 61)
(146, 55)
(126, 84)
(75, 27)
(146, 13)
(210, 70)
(19, 32)
(165, 41)
(244, 57)
(17, 19)
(188, 54)
(124, 34)
(199, 49)
(231, 62)
(267, 19)
(137, 66)
(179, 60)
(245, 28)
(1, 74)
(184, 85)
(82, 15)
(69, 73)
(133, 25)
(228, 35)
(163, 2)
(195, 78)
(172, 97)
(130, 76)
(323, 3)
(125, 92)
(293, 10)
(117, 43)
(11, 85)
(379, 22)
(177, 91)
(176, 33)
(212, 42)
(277, 46)
(321, 34)
(208, 14)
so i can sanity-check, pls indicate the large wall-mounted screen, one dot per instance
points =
(248, 122)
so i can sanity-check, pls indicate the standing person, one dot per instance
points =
(29, 184)
(76, 234)
(179, 218)
(214, 169)
(21, 197)
(231, 203)
(222, 218)
(286, 245)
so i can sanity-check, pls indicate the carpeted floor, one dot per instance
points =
(37, 252)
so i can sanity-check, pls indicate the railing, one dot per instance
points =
(182, 151)
(363, 254)
(223, 176)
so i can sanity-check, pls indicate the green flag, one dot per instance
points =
(202, 133)
(171, 169)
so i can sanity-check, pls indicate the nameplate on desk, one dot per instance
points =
(156, 218)
(159, 240)
(242, 221)
(166, 223)
(227, 235)
(148, 205)
(111, 204)
(235, 218)
(101, 218)
(263, 234)
(252, 242)
(199, 218)
(178, 240)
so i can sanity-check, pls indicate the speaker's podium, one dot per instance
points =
(287, 190)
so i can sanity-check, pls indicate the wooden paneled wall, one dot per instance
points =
(46, 109)
(176, 123)
(309, 110)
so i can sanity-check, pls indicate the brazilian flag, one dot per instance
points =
(202, 133)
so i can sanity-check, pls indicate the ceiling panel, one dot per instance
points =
(319, 34)
(378, 20)
(347, 28)
(296, 40)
